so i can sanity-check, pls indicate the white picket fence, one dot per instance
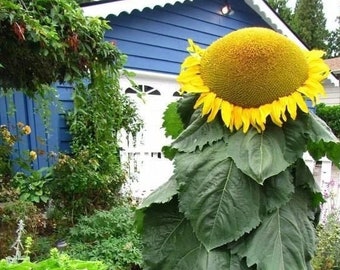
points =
(327, 175)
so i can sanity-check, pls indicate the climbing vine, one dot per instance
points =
(45, 41)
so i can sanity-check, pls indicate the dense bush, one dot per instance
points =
(91, 176)
(108, 236)
(10, 214)
(328, 249)
(57, 261)
(56, 34)
(331, 115)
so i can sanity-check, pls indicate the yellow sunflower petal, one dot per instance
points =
(186, 76)
(300, 102)
(190, 61)
(264, 112)
(275, 113)
(291, 107)
(237, 116)
(226, 111)
(283, 104)
(314, 87)
(256, 119)
(215, 108)
(246, 116)
(193, 48)
(200, 100)
(208, 103)
(193, 88)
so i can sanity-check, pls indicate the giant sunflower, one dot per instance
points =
(252, 74)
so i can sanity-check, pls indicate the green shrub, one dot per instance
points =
(57, 261)
(10, 214)
(331, 115)
(9, 136)
(91, 176)
(327, 255)
(32, 186)
(108, 236)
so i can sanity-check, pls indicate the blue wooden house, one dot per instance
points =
(153, 34)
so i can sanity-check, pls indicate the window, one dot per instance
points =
(143, 89)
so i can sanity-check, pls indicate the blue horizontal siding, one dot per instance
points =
(156, 40)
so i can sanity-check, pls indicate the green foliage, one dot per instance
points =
(237, 201)
(32, 187)
(309, 23)
(47, 41)
(281, 8)
(199, 133)
(331, 115)
(109, 236)
(225, 192)
(10, 214)
(259, 155)
(91, 176)
(172, 121)
(333, 42)
(7, 141)
(57, 261)
(327, 255)
(11, 184)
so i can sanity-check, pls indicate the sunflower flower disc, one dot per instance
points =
(251, 74)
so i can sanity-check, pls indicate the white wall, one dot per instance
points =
(145, 164)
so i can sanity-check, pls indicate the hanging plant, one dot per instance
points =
(241, 196)
(45, 41)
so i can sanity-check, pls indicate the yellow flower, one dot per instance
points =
(251, 74)
(26, 130)
(33, 155)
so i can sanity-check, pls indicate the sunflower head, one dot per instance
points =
(252, 74)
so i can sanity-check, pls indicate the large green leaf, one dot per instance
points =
(199, 133)
(319, 130)
(305, 179)
(186, 107)
(169, 242)
(172, 122)
(284, 240)
(221, 202)
(259, 155)
(277, 190)
(329, 149)
(303, 199)
(163, 194)
(322, 140)
(295, 137)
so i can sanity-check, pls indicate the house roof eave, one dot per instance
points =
(106, 8)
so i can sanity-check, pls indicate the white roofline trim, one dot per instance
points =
(115, 8)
